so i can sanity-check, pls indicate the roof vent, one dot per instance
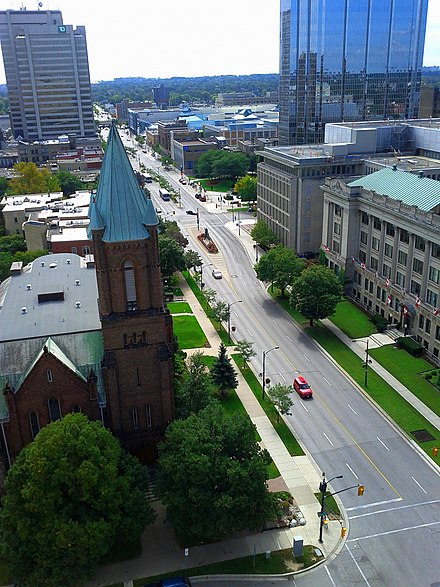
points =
(394, 167)
(28, 286)
(24, 310)
(77, 282)
(421, 173)
(52, 266)
(43, 263)
(77, 304)
(68, 261)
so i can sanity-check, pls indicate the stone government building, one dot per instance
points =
(91, 334)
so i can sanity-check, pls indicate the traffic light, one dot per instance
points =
(361, 490)
(343, 531)
(434, 451)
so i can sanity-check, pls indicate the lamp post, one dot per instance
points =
(367, 361)
(323, 489)
(198, 224)
(201, 274)
(229, 318)
(265, 353)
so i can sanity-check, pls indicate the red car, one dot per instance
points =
(302, 388)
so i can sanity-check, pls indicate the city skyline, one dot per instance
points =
(242, 38)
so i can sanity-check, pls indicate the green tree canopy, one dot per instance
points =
(281, 398)
(263, 235)
(246, 187)
(316, 292)
(279, 266)
(171, 229)
(28, 179)
(221, 164)
(68, 182)
(245, 348)
(70, 495)
(171, 256)
(212, 476)
(223, 374)
(220, 311)
(192, 259)
(197, 390)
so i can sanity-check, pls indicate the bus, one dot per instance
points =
(164, 194)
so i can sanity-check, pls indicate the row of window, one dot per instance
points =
(431, 297)
(53, 407)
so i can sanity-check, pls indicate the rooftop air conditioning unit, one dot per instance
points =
(28, 286)
(77, 282)
(24, 310)
(78, 304)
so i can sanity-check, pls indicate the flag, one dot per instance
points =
(326, 249)
(376, 275)
(405, 311)
(417, 302)
(436, 312)
(389, 300)
(363, 266)
(388, 282)
(352, 260)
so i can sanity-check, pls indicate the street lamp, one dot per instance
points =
(323, 489)
(201, 274)
(198, 224)
(229, 318)
(264, 366)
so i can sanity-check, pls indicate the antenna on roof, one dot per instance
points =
(40, 5)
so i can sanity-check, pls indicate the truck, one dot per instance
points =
(164, 194)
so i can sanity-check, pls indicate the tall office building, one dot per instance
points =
(47, 74)
(345, 60)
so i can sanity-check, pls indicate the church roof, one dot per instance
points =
(120, 206)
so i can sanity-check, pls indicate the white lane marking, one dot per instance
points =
(354, 411)
(274, 321)
(234, 312)
(382, 443)
(394, 531)
(326, 380)
(281, 375)
(357, 565)
(249, 331)
(252, 294)
(288, 337)
(330, 577)
(306, 357)
(328, 439)
(244, 283)
(351, 470)
(402, 507)
(302, 404)
(415, 481)
(370, 505)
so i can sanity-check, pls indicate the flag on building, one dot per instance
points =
(352, 260)
(363, 266)
(389, 300)
(326, 249)
(436, 312)
(388, 282)
(405, 311)
(417, 302)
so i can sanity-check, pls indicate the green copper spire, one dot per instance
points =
(119, 207)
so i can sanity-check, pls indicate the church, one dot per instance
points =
(91, 334)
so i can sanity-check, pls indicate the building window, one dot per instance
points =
(364, 237)
(402, 258)
(49, 375)
(418, 266)
(386, 270)
(148, 415)
(389, 229)
(364, 218)
(374, 263)
(415, 287)
(134, 415)
(337, 228)
(400, 279)
(74, 250)
(404, 236)
(435, 251)
(427, 325)
(420, 243)
(86, 250)
(434, 274)
(130, 286)
(35, 425)
(54, 409)
(338, 210)
(377, 224)
(336, 247)
(431, 298)
(388, 250)
(362, 256)
(375, 242)
(437, 332)
(421, 321)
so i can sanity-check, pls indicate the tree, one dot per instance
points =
(316, 292)
(4, 184)
(263, 236)
(220, 311)
(279, 266)
(212, 476)
(171, 229)
(70, 495)
(12, 243)
(171, 256)
(197, 390)
(246, 351)
(221, 164)
(209, 295)
(246, 187)
(28, 179)
(281, 398)
(223, 374)
(68, 182)
(192, 259)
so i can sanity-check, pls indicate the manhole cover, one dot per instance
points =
(422, 435)
(234, 276)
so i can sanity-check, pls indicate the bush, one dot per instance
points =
(410, 346)
(379, 322)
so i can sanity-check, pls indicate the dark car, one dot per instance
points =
(171, 582)
(191, 212)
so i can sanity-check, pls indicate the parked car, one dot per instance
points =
(171, 582)
(191, 212)
(197, 196)
(301, 387)
(217, 274)
(182, 181)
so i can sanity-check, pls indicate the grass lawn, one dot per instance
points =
(383, 394)
(408, 370)
(280, 561)
(188, 332)
(179, 308)
(352, 321)
(280, 427)
(224, 184)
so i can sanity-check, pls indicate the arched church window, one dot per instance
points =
(34, 424)
(54, 409)
(130, 286)
(76, 409)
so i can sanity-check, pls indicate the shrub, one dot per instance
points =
(379, 322)
(410, 346)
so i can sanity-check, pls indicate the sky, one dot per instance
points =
(166, 38)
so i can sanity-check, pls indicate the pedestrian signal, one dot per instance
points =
(343, 531)
(361, 490)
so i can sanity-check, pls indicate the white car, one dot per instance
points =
(217, 274)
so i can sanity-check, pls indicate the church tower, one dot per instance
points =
(136, 326)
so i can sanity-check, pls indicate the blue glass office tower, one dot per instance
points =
(346, 60)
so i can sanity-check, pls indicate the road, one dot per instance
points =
(394, 528)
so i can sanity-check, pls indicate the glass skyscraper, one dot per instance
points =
(348, 60)
(47, 74)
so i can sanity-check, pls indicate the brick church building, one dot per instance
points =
(91, 334)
